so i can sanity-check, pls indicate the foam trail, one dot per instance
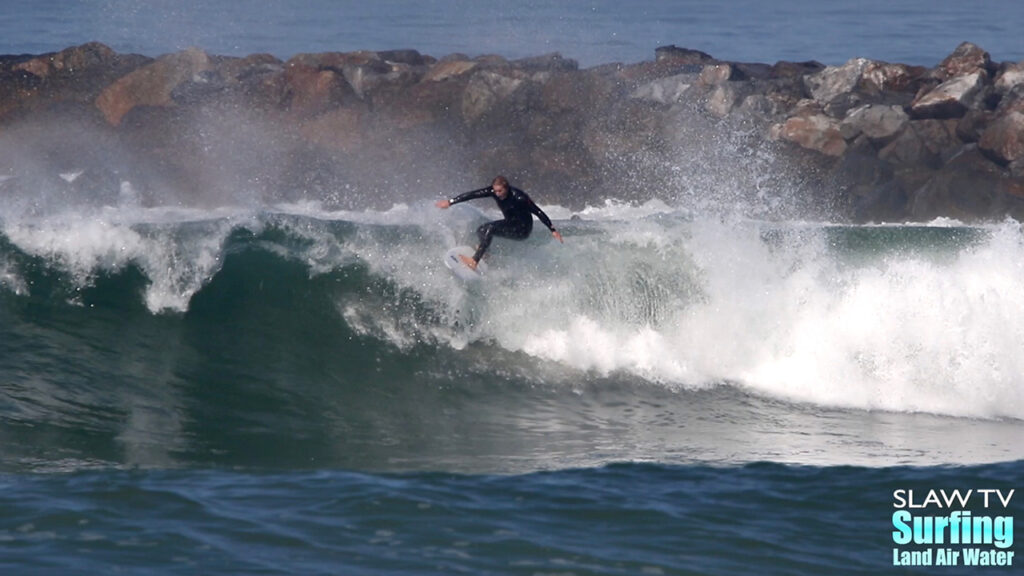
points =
(705, 303)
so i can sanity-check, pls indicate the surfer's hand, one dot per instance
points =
(443, 204)
(558, 235)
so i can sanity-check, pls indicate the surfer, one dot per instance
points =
(516, 207)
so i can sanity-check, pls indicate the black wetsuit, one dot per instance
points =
(517, 208)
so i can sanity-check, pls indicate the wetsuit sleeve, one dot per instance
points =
(540, 214)
(471, 195)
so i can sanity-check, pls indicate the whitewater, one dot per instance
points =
(653, 334)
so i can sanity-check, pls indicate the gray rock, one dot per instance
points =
(951, 99)
(832, 82)
(485, 89)
(879, 123)
(665, 90)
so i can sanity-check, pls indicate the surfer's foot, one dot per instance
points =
(468, 261)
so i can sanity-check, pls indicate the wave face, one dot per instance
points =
(303, 337)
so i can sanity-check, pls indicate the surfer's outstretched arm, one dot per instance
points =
(471, 195)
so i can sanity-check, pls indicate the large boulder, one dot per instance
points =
(966, 59)
(883, 77)
(966, 188)
(447, 69)
(312, 91)
(681, 56)
(879, 123)
(74, 60)
(151, 85)
(835, 81)
(1003, 140)
(951, 99)
(816, 132)
(1009, 77)
(486, 88)
(923, 144)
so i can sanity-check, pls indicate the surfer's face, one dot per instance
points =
(500, 190)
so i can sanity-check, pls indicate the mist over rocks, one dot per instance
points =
(864, 141)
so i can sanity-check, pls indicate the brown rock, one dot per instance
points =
(783, 69)
(880, 77)
(1003, 140)
(70, 61)
(313, 91)
(815, 132)
(151, 85)
(444, 70)
(723, 99)
(715, 74)
(484, 90)
(951, 99)
(341, 129)
(966, 59)
(677, 55)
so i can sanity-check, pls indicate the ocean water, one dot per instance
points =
(682, 387)
(591, 31)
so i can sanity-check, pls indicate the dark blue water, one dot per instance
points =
(591, 31)
(622, 519)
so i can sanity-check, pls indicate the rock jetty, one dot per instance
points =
(864, 141)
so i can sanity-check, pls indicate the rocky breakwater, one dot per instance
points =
(866, 140)
(911, 143)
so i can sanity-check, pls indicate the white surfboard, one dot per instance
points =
(455, 264)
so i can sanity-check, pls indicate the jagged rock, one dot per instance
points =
(922, 143)
(783, 69)
(1012, 101)
(364, 70)
(484, 90)
(951, 99)
(879, 123)
(151, 85)
(880, 77)
(715, 74)
(444, 70)
(969, 127)
(816, 132)
(77, 59)
(677, 55)
(665, 90)
(894, 135)
(407, 56)
(312, 91)
(723, 99)
(1009, 77)
(342, 129)
(834, 81)
(547, 63)
(1003, 140)
(965, 60)
(966, 188)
